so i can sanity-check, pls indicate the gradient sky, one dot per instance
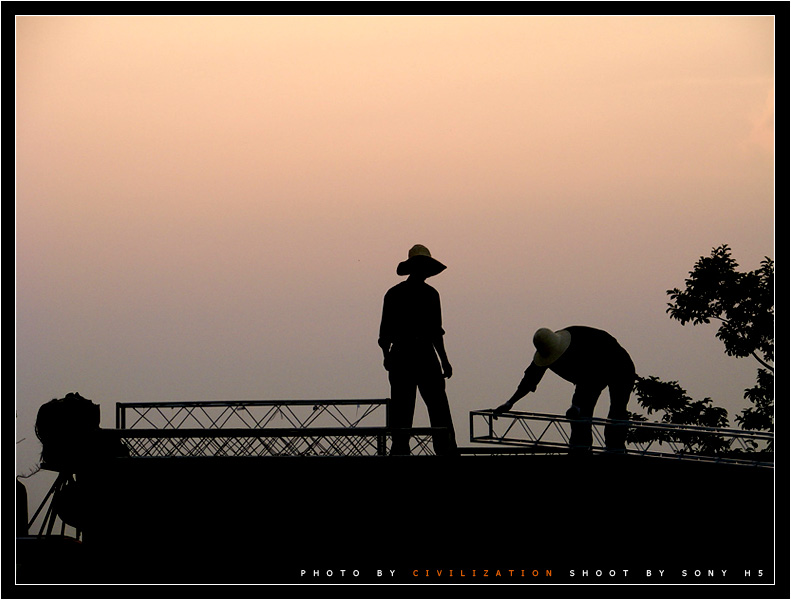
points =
(213, 207)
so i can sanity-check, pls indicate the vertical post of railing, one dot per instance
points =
(387, 413)
(120, 416)
(381, 445)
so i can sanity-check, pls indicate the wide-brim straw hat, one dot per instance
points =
(550, 345)
(419, 260)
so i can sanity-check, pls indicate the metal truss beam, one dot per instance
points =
(358, 441)
(550, 433)
(251, 414)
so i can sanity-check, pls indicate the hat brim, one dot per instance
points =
(543, 360)
(420, 264)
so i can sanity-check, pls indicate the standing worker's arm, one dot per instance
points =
(385, 331)
(385, 346)
(439, 346)
(437, 334)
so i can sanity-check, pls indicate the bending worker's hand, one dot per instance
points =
(503, 408)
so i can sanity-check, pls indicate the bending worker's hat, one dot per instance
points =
(550, 345)
(420, 261)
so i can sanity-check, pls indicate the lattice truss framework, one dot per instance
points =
(251, 414)
(262, 428)
(548, 432)
(272, 442)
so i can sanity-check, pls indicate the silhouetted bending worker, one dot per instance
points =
(411, 338)
(592, 360)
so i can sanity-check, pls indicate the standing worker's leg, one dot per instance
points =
(403, 391)
(432, 390)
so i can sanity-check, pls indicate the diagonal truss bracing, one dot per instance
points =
(251, 414)
(359, 441)
(263, 428)
(550, 433)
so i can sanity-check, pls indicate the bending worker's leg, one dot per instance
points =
(620, 390)
(581, 412)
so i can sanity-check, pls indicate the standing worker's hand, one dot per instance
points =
(447, 370)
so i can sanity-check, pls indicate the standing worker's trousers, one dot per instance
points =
(407, 376)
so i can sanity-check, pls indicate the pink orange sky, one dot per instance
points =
(213, 207)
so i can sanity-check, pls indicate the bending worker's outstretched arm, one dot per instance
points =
(529, 382)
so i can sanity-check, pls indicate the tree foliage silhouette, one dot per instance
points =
(743, 303)
(670, 398)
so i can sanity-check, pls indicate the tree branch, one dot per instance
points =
(755, 356)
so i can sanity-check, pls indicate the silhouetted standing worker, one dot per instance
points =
(592, 360)
(411, 338)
